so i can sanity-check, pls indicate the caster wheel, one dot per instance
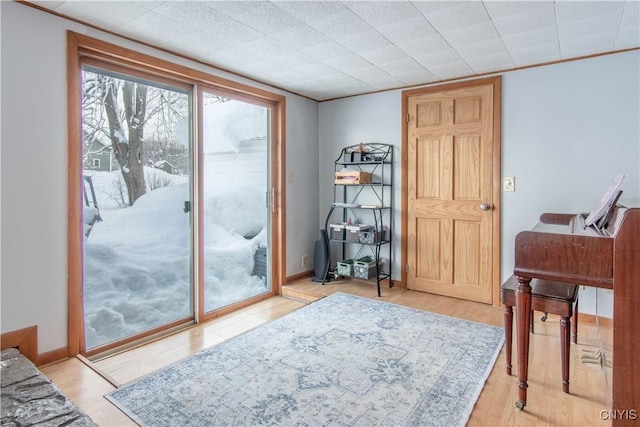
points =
(520, 404)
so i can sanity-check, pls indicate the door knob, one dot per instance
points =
(485, 206)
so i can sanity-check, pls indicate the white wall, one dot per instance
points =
(567, 130)
(33, 171)
(350, 121)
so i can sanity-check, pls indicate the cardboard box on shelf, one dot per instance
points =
(347, 176)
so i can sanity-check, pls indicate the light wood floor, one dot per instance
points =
(547, 405)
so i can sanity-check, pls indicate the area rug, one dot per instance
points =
(343, 360)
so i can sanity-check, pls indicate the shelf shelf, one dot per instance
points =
(377, 184)
(381, 276)
(368, 207)
(383, 242)
(386, 162)
(368, 204)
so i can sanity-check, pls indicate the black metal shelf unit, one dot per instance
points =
(369, 203)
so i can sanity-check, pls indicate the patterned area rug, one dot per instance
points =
(343, 360)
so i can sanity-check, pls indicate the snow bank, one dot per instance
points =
(137, 260)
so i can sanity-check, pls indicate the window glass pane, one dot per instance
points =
(137, 225)
(235, 167)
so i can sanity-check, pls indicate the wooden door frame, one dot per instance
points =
(496, 82)
(81, 45)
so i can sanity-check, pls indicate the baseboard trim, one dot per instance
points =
(299, 276)
(25, 339)
(53, 356)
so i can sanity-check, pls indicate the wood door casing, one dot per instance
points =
(452, 247)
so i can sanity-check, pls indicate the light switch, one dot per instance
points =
(509, 183)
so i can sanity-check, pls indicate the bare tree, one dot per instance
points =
(120, 113)
(127, 143)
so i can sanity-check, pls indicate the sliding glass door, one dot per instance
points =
(235, 181)
(176, 200)
(137, 276)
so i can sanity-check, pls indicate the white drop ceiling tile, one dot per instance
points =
(310, 83)
(488, 63)
(340, 24)
(454, 15)
(587, 26)
(385, 82)
(233, 58)
(232, 8)
(152, 27)
(234, 32)
(424, 46)
(267, 18)
(364, 41)
(108, 15)
(415, 77)
(289, 60)
(326, 51)
(404, 65)
(384, 54)
(348, 62)
(293, 59)
(266, 47)
(515, 24)
(205, 43)
(470, 34)
(531, 38)
(629, 34)
(310, 11)
(382, 12)
(407, 30)
(151, 4)
(547, 52)
(502, 9)
(367, 73)
(287, 76)
(355, 87)
(193, 14)
(315, 69)
(301, 35)
(595, 43)
(567, 11)
(631, 15)
(434, 58)
(628, 37)
(261, 71)
(482, 48)
(337, 79)
(326, 94)
(295, 41)
(451, 70)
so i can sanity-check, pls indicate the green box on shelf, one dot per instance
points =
(370, 237)
(345, 267)
(366, 262)
(364, 272)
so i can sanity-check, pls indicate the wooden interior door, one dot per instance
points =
(450, 193)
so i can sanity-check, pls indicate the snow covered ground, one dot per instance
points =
(137, 260)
